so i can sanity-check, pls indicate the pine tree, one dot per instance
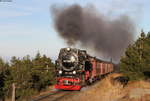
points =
(5, 79)
(28, 75)
(43, 72)
(137, 58)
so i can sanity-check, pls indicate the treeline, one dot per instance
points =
(25, 76)
(136, 62)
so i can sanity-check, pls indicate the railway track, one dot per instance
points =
(59, 94)
(54, 96)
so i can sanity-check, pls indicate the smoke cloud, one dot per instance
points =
(85, 25)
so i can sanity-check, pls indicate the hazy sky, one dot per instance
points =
(26, 26)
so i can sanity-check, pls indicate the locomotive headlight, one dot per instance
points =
(68, 49)
(72, 58)
(74, 72)
(60, 72)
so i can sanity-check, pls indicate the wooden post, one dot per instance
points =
(13, 91)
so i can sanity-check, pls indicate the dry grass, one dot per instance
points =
(140, 84)
(109, 90)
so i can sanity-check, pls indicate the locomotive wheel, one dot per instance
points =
(88, 82)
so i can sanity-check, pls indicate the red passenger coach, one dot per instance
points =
(75, 69)
(100, 68)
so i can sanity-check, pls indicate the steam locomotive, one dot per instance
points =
(75, 69)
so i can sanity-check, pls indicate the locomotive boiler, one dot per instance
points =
(75, 69)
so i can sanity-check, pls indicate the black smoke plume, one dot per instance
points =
(106, 36)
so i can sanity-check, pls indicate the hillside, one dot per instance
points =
(109, 90)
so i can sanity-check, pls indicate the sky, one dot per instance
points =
(27, 27)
